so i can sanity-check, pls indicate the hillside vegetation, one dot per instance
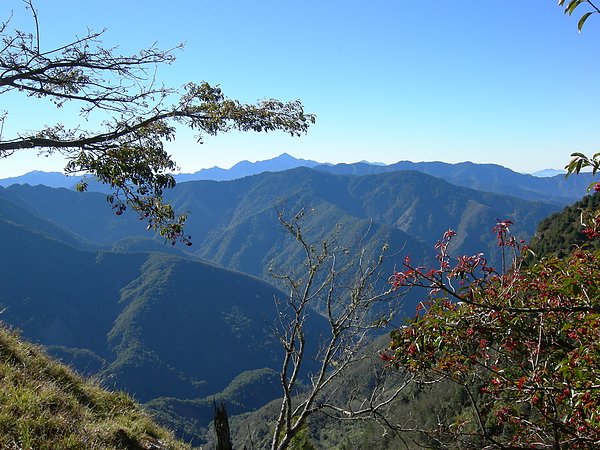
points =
(44, 405)
(122, 315)
(560, 233)
(441, 414)
(178, 332)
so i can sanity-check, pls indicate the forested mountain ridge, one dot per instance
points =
(234, 223)
(120, 315)
(484, 177)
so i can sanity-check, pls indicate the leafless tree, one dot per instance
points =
(347, 289)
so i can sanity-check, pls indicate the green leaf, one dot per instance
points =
(572, 6)
(582, 20)
(81, 186)
(574, 165)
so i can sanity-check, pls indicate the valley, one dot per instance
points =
(180, 327)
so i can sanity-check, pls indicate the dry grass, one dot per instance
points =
(45, 405)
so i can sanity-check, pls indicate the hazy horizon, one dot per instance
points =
(480, 81)
(297, 158)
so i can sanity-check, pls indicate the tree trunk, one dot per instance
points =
(221, 421)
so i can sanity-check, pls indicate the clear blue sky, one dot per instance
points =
(508, 82)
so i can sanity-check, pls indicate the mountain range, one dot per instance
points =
(239, 170)
(235, 224)
(549, 185)
(247, 168)
(179, 327)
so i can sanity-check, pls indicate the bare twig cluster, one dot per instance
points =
(341, 284)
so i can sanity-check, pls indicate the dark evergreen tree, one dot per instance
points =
(221, 421)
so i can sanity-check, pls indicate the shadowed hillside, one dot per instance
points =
(156, 324)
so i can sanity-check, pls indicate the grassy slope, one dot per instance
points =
(45, 405)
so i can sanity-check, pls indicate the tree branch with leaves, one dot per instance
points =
(138, 115)
(571, 5)
(523, 344)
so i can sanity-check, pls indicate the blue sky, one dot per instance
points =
(509, 82)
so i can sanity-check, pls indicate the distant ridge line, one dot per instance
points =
(548, 185)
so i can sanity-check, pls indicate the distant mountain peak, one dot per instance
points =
(285, 155)
(548, 173)
(245, 168)
(371, 163)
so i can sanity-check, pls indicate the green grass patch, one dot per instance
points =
(45, 405)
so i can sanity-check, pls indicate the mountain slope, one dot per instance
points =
(12, 212)
(44, 405)
(126, 313)
(482, 177)
(561, 233)
(87, 215)
(235, 223)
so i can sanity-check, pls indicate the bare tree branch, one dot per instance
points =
(341, 284)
